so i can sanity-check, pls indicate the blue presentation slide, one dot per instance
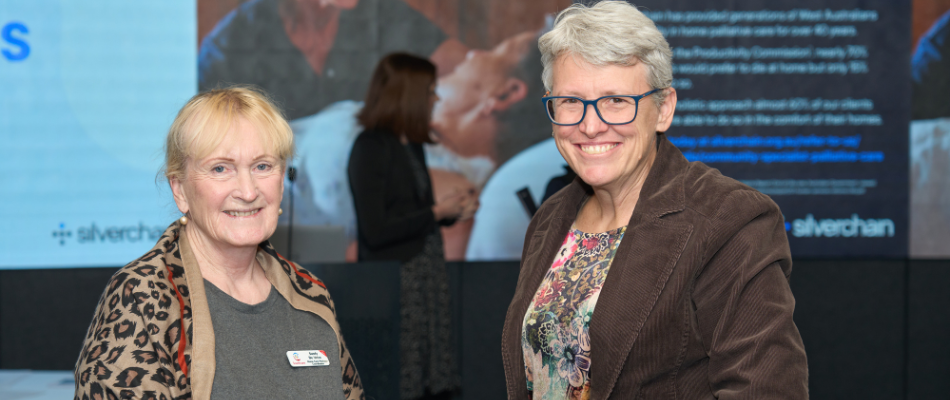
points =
(806, 101)
(88, 90)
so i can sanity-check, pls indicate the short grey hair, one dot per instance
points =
(609, 33)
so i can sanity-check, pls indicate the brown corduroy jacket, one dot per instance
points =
(696, 304)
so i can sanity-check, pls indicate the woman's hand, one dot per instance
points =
(471, 206)
(452, 206)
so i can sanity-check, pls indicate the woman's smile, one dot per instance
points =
(239, 214)
(597, 148)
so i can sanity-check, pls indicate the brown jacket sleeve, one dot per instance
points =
(744, 305)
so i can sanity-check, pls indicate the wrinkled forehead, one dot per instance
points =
(571, 67)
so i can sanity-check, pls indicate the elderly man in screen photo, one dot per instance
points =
(308, 54)
(212, 311)
(698, 305)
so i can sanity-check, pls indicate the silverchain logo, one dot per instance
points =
(842, 227)
(62, 234)
(93, 233)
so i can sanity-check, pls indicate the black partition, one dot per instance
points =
(851, 317)
(928, 329)
(486, 291)
(44, 314)
(873, 329)
(366, 297)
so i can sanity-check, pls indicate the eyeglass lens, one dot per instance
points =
(613, 110)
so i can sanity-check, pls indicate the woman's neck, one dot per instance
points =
(233, 270)
(612, 206)
(606, 210)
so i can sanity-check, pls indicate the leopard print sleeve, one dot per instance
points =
(126, 350)
(352, 386)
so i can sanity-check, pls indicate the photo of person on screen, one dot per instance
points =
(308, 54)
(314, 57)
(480, 120)
(930, 143)
(482, 112)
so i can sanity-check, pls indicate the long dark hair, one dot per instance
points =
(398, 97)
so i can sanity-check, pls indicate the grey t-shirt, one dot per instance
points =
(251, 345)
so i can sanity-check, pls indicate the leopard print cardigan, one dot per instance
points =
(135, 348)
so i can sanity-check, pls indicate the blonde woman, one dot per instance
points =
(212, 311)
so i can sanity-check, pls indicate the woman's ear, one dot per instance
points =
(178, 191)
(509, 94)
(666, 111)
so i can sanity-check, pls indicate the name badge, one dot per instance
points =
(308, 358)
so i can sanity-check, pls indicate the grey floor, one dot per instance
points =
(36, 385)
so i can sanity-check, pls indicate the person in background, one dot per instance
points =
(478, 123)
(649, 276)
(398, 218)
(486, 102)
(212, 311)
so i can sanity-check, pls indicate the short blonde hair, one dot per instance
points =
(609, 33)
(206, 119)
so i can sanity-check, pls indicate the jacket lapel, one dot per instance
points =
(414, 157)
(202, 338)
(640, 270)
(537, 259)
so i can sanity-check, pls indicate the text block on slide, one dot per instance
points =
(806, 101)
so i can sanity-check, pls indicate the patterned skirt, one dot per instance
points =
(427, 356)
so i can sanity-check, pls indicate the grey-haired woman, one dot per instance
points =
(649, 276)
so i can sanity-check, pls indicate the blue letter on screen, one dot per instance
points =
(7, 35)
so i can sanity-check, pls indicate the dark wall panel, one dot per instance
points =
(366, 297)
(928, 328)
(487, 289)
(851, 317)
(44, 315)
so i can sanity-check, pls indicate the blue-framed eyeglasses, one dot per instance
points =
(613, 109)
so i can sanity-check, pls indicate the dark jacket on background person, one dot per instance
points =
(696, 304)
(393, 214)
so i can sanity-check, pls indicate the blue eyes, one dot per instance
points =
(220, 169)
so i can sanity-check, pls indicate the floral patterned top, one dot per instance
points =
(554, 336)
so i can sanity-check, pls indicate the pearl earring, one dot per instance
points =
(280, 211)
(183, 220)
